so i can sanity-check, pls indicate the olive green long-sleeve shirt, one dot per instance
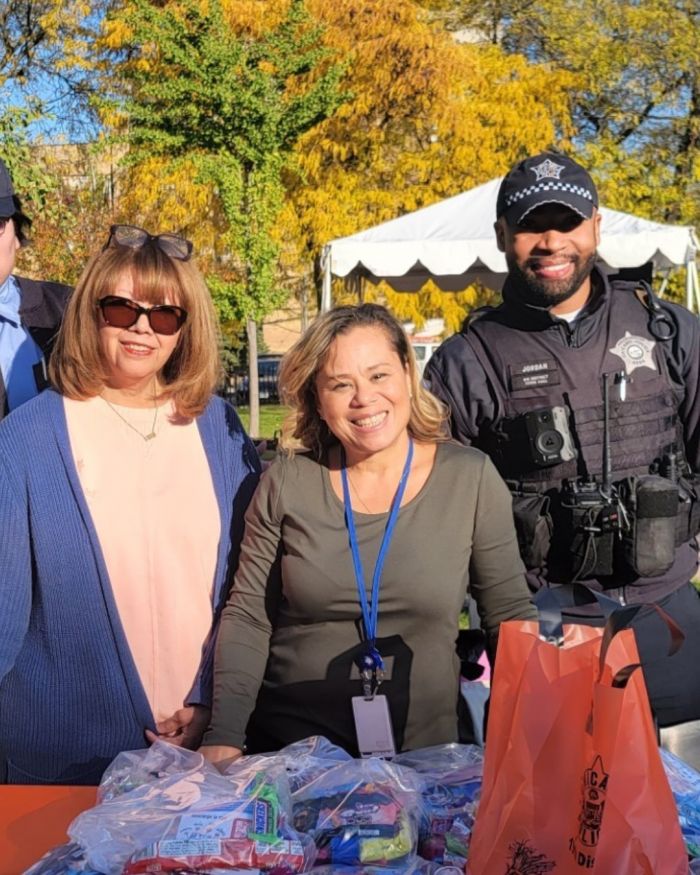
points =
(290, 631)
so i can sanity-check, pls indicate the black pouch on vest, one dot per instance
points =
(688, 524)
(591, 520)
(649, 545)
(592, 553)
(533, 525)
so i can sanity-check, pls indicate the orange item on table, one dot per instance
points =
(34, 819)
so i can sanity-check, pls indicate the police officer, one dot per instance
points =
(585, 393)
(30, 311)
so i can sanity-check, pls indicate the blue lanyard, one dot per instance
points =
(370, 612)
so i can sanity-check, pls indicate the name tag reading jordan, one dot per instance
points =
(530, 375)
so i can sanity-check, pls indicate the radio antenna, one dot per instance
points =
(607, 463)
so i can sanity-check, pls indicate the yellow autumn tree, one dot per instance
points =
(429, 118)
(635, 100)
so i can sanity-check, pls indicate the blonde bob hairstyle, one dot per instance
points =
(304, 428)
(77, 368)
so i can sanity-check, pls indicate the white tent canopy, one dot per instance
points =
(453, 243)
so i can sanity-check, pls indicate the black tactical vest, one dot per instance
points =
(534, 370)
(537, 370)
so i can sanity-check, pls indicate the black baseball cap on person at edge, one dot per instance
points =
(545, 179)
(8, 206)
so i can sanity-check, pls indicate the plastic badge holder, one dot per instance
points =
(453, 775)
(363, 813)
(196, 821)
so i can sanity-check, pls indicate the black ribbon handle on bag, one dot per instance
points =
(550, 601)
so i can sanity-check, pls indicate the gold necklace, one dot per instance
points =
(146, 437)
(354, 489)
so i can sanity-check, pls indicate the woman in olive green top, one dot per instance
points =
(294, 632)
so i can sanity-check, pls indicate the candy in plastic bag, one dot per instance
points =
(365, 812)
(249, 833)
(412, 866)
(452, 775)
(197, 821)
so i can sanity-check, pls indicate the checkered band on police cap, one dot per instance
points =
(544, 179)
(7, 204)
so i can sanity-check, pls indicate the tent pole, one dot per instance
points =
(327, 286)
(696, 288)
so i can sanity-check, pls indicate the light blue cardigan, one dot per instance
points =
(70, 694)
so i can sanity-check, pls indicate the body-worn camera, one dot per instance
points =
(544, 435)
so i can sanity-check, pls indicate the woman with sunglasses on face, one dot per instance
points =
(122, 491)
(358, 555)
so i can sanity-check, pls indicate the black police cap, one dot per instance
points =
(545, 179)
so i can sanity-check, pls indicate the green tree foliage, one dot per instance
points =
(635, 96)
(31, 178)
(233, 105)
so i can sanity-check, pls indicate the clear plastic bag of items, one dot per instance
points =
(452, 774)
(196, 821)
(306, 760)
(133, 768)
(361, 813)
(685, 786)
(64, 860)
(413, 866)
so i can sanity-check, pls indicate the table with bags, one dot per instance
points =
(571, 781)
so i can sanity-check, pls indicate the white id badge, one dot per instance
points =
(375, 737)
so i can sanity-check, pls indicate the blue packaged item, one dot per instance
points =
(361, 813)
(685, 786)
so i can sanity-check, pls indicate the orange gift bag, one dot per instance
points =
(573, 780)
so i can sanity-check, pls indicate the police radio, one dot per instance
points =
(596, 514)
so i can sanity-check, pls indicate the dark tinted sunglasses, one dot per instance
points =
(123, 313)
(135, 238)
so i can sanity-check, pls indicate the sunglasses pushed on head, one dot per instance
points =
(122, 312)
(134, 238)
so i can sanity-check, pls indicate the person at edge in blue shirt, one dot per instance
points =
(30, 311)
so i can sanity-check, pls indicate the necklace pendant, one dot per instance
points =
(150, 436)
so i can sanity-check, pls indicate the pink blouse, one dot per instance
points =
(157, 519)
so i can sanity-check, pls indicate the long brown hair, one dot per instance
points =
(77, 368)
(304, 428)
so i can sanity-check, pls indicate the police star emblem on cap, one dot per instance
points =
(547, 178)
(547, 170)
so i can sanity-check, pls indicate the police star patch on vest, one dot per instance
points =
(635, 352)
